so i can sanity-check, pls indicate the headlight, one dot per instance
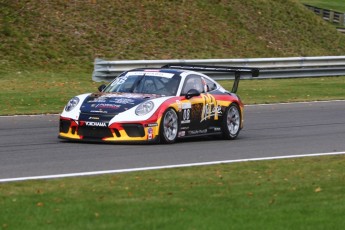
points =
(71, 104)
(144, 108)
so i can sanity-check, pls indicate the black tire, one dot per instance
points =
(169, 127)
(231, 124)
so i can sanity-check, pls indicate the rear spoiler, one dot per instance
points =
(236, 70)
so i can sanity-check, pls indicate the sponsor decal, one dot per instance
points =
(97, 100)
(95, 124)
(107, 106)
(119, 80)
(185, 108)
(151, 73)
(182, 133)
(123, 101)
(151, 70)
(130, 95)
(210, 108)
(121, 95)
(183, 105)
(150, 133)
(152, 125)
(195, 132)
(93, 118)
(186, 105)
(98, 111)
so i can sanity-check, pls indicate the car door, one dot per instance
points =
(195, 113)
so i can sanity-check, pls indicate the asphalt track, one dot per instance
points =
(29, 146)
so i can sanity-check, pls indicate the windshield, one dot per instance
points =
(145, 82)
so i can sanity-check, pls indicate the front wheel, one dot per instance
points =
(231, 124)
(169, 127)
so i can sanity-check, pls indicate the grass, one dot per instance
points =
(69, 35)
(291, 90)
(41, 92)
(304, 193)
(336, 5)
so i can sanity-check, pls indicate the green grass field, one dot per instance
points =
(305, 193)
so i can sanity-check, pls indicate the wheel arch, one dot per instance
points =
(241, 109)
(161, 114)
(231, 125)
(163, 132)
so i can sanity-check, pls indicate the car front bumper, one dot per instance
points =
(116, 132)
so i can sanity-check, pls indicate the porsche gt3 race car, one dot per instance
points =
(156, 105)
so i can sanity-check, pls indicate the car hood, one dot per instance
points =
(112, 103)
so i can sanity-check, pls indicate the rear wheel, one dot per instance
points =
(231, 124)
(169, 127)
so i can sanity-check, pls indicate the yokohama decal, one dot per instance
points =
(96, 124)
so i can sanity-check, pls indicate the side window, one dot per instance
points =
(210, 85)
(192, 82)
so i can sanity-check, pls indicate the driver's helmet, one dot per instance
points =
(195, 83)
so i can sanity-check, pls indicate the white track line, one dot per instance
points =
(162, 167)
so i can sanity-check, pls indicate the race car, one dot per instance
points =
(157, 105)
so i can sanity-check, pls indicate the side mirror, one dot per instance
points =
(192, 93)
(101, 87)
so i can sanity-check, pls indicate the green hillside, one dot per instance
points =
(70, 34)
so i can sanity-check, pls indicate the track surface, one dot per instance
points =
(29, 144)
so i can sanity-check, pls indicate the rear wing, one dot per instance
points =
(225, 69)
